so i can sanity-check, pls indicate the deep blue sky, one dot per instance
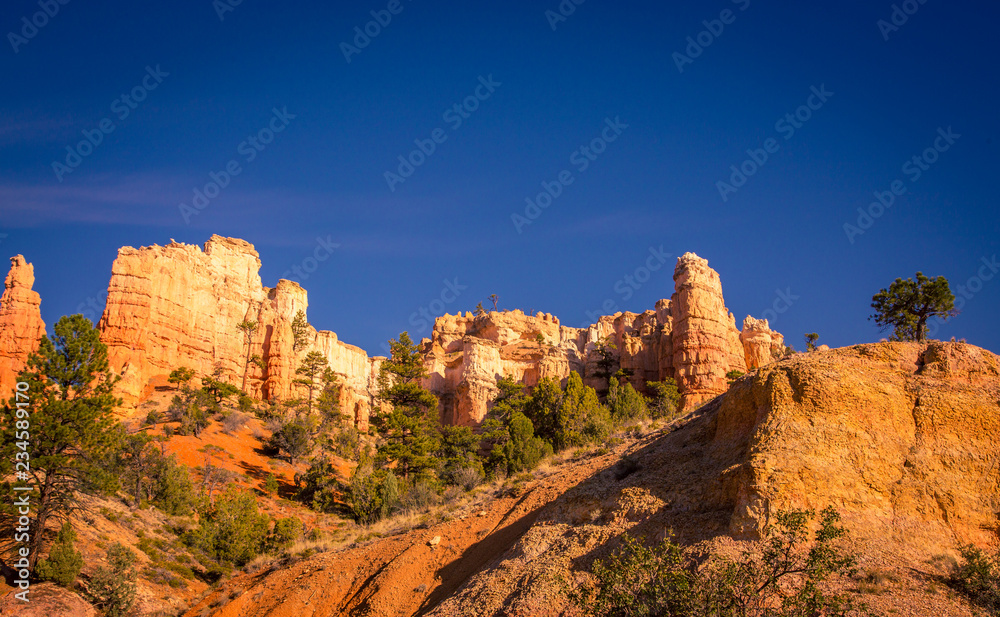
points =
(656, 184)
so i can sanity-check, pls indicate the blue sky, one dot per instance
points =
(664, 121)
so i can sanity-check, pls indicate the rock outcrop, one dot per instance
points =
(901, 436)
(21, 325)
(180, 305)
(46, 600)
(691, 338)
(706, 342)
(761, 345)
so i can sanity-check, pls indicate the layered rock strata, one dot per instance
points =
(761, 345)
(21, 325)
(691, 338)
(181, 305)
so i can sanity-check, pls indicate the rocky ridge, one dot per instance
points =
(180, 304)
(899, 437)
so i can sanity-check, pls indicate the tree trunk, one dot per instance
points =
(246, 365)
(41, 518)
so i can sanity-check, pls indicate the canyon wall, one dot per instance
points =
(180, 305)
(21, 325)
(691, 338)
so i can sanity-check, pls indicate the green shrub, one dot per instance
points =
(625, 403)
(666, 399)
(112, 587)
(372, 495)
(508, 434)
(292, 439)
(733, 375)
(173, 491)
(977, 578)
(779, 576)
(346, 443)
(271, 484)
(421, 496)
(245, 403)
(64, 562)
(581, 419)
(319, 486)
(468, 478)
(233, 530)
(285, 533)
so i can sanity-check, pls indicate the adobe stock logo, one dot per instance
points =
(454, 116)
(250, 147)
(964, 293)
(696, 45)
(783, 300)
(30, 27)
(786, 126)
(304, 269)
(565, 9)
(899, 16)
(581, 158)
(363, 36)
(626, 286)
(122, 107)
(914, 169)
(423, 318)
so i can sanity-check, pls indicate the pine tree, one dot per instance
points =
(248, 328)
(312, 369)
(625, 403)
(64, 562)
(300, 331)
(665, 399)
(581, 417)
(138, 457)
(410, 432)
(71, 426)
(907, 305)
(811, 339)
(112, 588)
(542, 408)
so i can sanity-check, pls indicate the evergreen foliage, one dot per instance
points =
(907, 305)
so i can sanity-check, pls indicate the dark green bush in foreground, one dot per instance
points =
(781, 576)
(976, 578)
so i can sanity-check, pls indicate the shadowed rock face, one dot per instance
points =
(180, 304)
(21, 325)
(901, 438)
(901, 435)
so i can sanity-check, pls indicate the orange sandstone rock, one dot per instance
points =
(179, 305)
(760, 344)
(706, 342)
(21, 325)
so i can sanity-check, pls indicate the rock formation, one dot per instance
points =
(901, 438)
(180, 305)
(21, 325)
(705, 339)
(760, 344)
(691, 338)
